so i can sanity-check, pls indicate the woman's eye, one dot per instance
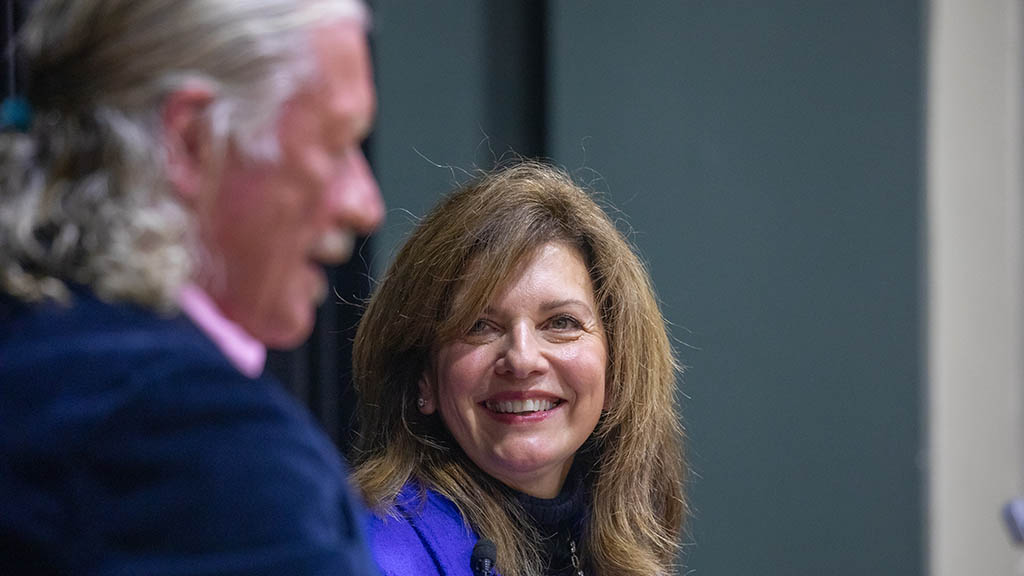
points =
(564, 322)
(479, 326)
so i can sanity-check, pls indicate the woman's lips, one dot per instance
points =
(521, 408)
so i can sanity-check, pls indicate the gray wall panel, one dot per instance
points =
(430, 72)
(768, 158)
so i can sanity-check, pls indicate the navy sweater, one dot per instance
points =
(130, 445)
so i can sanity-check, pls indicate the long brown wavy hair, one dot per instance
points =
(496, 223)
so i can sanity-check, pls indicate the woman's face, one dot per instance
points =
(524, 388)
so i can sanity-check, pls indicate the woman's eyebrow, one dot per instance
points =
(552, 304)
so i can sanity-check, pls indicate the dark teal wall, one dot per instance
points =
(430, 83)
(768, 158)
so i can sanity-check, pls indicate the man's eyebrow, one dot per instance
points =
(349, 132)
(360, 128)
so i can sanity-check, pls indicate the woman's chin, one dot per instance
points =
(541, 478)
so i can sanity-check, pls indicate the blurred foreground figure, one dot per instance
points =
(189, 167)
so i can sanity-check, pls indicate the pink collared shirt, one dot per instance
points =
(242, 350)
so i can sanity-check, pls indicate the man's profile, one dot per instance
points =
(189, 168)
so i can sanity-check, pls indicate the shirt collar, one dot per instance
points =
(246, 353)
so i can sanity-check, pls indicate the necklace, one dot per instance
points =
(575, 558)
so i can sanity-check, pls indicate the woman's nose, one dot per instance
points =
(522, 355)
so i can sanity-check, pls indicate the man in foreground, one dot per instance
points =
(190, 167)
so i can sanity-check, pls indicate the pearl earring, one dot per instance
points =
(421, 402)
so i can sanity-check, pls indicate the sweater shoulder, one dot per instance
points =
(425, 534)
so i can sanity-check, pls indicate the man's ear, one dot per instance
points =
(187, 140)
(427, 400)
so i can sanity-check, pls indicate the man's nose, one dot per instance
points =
(357, 202)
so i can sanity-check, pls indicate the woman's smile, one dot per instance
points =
(524, 387)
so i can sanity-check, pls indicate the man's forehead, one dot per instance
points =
(337, 10)
(346, 77)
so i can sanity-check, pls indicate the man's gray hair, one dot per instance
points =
(84, 197)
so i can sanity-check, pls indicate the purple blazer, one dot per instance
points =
(428, 537)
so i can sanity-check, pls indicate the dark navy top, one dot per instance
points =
(130, 445)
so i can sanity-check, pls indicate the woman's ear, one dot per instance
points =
(426, 401)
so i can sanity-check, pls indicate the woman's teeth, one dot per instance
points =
(519, 406)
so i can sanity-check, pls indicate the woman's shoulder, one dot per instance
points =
(423, 534)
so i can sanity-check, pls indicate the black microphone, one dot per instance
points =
(485, 554)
